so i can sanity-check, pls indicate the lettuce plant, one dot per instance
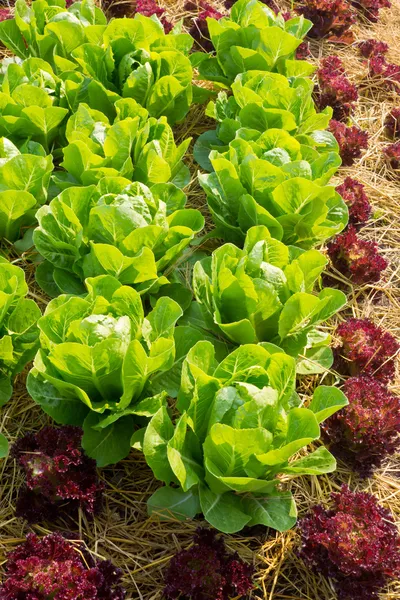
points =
(117, 228)
(334, 88)
(253, 37)
(132, 58)
(392, 123)
(366, 431)
(367, 349)
(359, 260)
(330, 66)
(97, 356)
(240, 422)
(18, 330)
(53, 568)
(148, 8)
(24, 180)
(369, 9)
(372, 48)
(391, 153)
(352, 141)
(352, 192)
(263, 293)
(384, 74)
(59, 476)
(330, 18)
(278, 183)
(153, 71)
(207, 570)
(355, 543)
(135, 146)
(261, 102)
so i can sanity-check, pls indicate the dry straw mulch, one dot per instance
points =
(142, 546)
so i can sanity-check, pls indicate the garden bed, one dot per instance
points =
(123, 532)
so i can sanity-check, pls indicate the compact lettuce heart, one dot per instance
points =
(161, 81)
(264, 293)
(275, 181)
(18, 331)
(117, 228)
(98, 61)
(135, 146)
(240, 423)
(97, 355)
(24, 180)
(254, 37)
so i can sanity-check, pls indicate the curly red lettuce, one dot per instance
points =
(352, 192)
(392, 155)
(392, 123)
(359, 260)
(365, 349)
(53, 568)
(387, 75)
(334, 88)
(372, 48)
(59, 475)
(370, 9)
(352, 141)
(366, 431)
(330, 18)
(356, 544)
(207, 570)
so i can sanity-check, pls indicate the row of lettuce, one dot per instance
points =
(92, 174)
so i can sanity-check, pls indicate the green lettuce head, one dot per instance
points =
(277, 182)
(264, 106)
(97, 356)
(240, 424)
(264, 293)
(131, 145)
(253, 37)
(117, 228)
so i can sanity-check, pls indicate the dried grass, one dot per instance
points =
(142, 546)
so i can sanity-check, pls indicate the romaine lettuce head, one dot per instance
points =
(265, 293)
(134, 146)
(240, 424)
(253, 37)
(264, 104)
(118, 228)
(97, 355)
(278, 181)
(19, 336)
